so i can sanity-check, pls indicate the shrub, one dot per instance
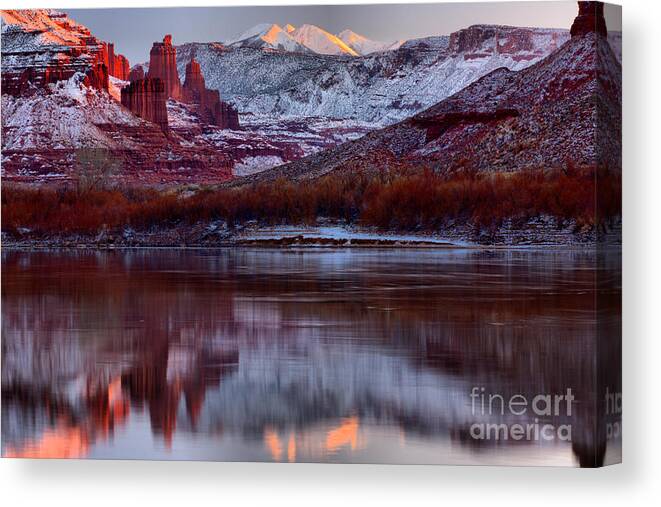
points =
(406, 199)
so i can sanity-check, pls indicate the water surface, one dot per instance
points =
(332, 355)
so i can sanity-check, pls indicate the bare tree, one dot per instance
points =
(96, 168)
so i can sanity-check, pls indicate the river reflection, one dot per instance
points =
(313, 355)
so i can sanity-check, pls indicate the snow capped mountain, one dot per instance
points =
(309, 38)
(320, 41)
(270, 36)
(364, 46)
(305, 39)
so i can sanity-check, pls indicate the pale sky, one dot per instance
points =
(134, 30)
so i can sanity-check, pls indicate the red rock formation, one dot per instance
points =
(136, 73)
(118, 65)
(163, 65)
(210, 108)
(146, 98)
(97, 76)
(194, 85)
(18, 80)
(590, 19)
(61, 48)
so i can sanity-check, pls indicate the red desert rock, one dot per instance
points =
(48, 62)
(163, 65)
(210, 108)
(146, 98)
(136, 73)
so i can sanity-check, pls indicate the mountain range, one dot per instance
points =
(309, 39)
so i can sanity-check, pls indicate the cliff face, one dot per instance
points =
(226, 116)
(146, 98)
(210, 108)
(40, 47)
(163, 65)
(118, 65)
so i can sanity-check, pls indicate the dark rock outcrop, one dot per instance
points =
(436, 126)
(590, 19)
(226, 116)
(480, 41)
(210, 108)
(146, 98)
(163, 65)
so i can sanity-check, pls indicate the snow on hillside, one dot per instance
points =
(381, 87)
(67, 114)
(364, 46)
(320, 41)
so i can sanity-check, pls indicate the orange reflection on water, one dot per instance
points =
(346, 433)
(273, 444)
(60, 442)
(315, 443)
(291, 449)
(108, 409)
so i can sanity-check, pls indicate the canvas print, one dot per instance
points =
(345, 234)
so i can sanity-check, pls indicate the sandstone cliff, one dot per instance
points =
(163, 65)
(146, 98)
(40, 47)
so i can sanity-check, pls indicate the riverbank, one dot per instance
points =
(537, 232)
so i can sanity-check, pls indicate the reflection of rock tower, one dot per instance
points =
(163, 65)
(590, 19)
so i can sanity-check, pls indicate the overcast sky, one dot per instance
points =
(134, 30)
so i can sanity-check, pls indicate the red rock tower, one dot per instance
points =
(590, 19)
(146, 98)
(210, 108)
(163, 65)
(194, 85)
